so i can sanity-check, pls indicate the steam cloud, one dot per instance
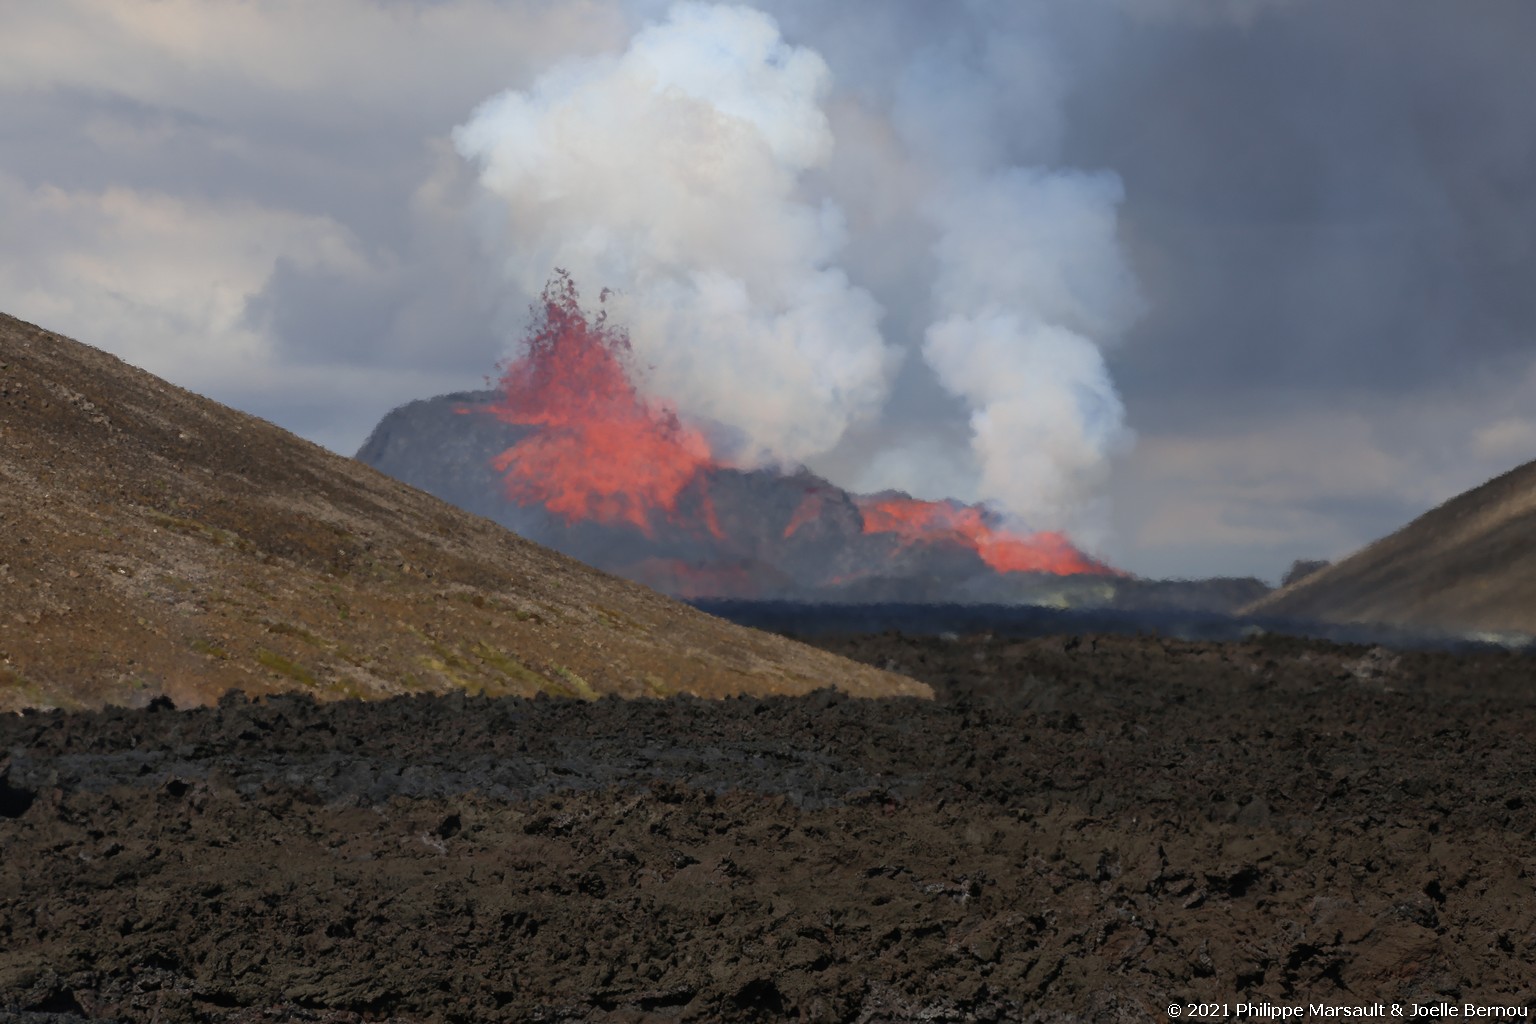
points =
(690, 174)
(1030, 272)
(670, 174)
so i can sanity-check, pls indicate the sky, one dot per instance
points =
(1214, 284)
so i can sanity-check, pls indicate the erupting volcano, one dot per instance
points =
(713, 176)
(620, 480)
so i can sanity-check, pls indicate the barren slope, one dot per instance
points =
(1467, 566)
(153, 541)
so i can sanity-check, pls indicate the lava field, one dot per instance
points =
(1078, 828)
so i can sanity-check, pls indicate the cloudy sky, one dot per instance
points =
(1285, 305)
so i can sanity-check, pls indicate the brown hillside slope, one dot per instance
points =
(1468, 566)
(153, 541)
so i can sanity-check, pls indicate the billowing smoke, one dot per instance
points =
(693, 175)
(671, 176)
(1030, 273)
(1029, 279)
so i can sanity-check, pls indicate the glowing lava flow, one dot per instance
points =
(602, 452)
(932, 522)
(597, 451)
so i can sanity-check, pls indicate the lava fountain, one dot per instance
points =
(599, 451)
(608, 462)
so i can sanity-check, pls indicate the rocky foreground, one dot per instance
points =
(1078, 829)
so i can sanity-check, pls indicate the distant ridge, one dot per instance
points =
(154, 542)
(447, 445)
(1468, 567)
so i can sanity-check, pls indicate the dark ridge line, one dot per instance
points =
(1025, 621)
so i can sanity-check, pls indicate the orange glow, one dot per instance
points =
(809, 510)
(597, 450)
(604, 452)
(935, 522)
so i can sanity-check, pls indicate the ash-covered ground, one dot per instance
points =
(1079, 828)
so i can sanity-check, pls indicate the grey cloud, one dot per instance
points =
(1333, 196)
(325, 315)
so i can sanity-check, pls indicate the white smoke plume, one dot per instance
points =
(671, 174)
(1030, 275)
(695, 175)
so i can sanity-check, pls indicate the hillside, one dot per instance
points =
(1468, 566)
(155, 542)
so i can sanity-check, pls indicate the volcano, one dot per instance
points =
(566, 450)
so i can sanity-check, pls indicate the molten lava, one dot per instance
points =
(602, 452)
(945, 522)
(596, 451)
